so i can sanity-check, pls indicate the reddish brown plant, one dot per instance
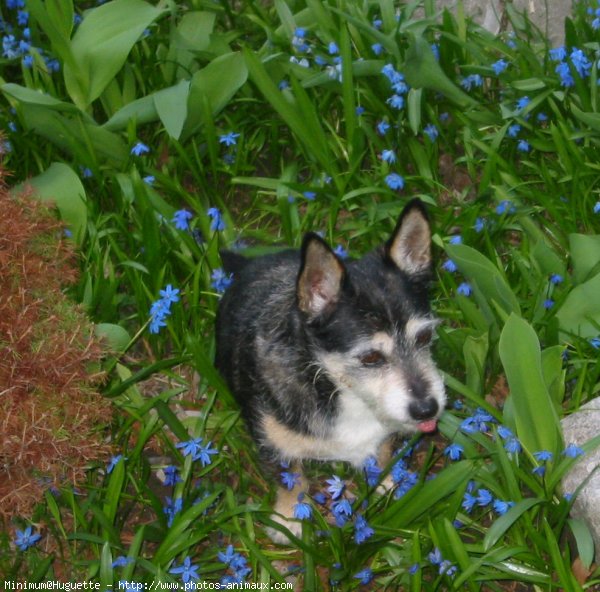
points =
(51, 418)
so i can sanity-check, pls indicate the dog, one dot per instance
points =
(330, 359)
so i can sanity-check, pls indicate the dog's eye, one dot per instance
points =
(372, 359)
(423, 338)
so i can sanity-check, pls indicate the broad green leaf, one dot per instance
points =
(214, 85)
(521, 358)
(29, 96)
(77, 135)
(488, 282)
(59, 184)
(592, 120)
(171, 106)
(116, 336)
(504, 522)
(584, 540)
(102, 43)
(141, 111)
(422, 70)
(585, 255)
(580, 313)
(106, 568)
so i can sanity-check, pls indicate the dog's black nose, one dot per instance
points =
(423, 408)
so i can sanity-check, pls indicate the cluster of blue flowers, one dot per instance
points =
(16, 40)
(161, 308)
(237, 565)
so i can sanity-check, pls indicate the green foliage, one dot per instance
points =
(282, 116)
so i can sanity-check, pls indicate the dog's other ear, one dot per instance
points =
(409, 247)
(320, 278)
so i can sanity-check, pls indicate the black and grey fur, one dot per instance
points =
(328, 359)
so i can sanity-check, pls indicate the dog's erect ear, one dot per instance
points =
(320, 278)
(409, 247)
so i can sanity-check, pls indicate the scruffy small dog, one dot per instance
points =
(330, 359)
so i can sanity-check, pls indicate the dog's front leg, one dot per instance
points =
(384, 456)
(284, 507)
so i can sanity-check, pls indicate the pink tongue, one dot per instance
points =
(427, 426)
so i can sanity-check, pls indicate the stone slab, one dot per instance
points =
(578, 428)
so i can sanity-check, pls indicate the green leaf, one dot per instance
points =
(116, 336)
(488, 282)
(502, 524)
(521, 357)
(584, 540)
(60, 185)
(422, 70)
(216, 84)
(585, 255)
(29, 96)
(171, 106)
(102, 43)
(580, 313)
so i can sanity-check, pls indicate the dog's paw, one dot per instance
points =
(279, 536)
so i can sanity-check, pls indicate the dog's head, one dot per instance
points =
(370, 325)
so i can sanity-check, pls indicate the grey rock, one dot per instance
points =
(547, 15)
(578, 429)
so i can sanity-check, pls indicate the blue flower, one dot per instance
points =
(556, 278)
(505, 433)
(558, 54)
(468, 502)
(229, 139)
(172, 475)
(139, 149)
(382, 127)
(523, 102)
(595, 342)
(365, 576)
(341, 510)
(484, 497)
(388, 156)
(470, 81)
(204, 453)
(169, 295)
(372, 471)
(455, 239)
(217, 222)
(114, 461)
(172, 508)
(26, 538)
(149, 180)
(310, 195)
(499, 66)
(580, 62)
(513, 446)
(548, 303)
(523, 146)
(302, 510)
(501, 507)
(336, 487)
(362, 530)
(479, 225)
(454, 451)
(435, 557)
(596, 209)
(464, 289)
(332, 48)
(505, 206)
(543, 456)
(449, 266)
(122, 561)
(377, 48)
(181, 219)
(394, 181)
(189, 447)
(290, 479)
(513, 130)
(341, 252)
(161, 308)
(566, 79)
(540, 471)
(186, 570)
(573, 451)
(396, 102)
(221, 280)
(431, 132)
